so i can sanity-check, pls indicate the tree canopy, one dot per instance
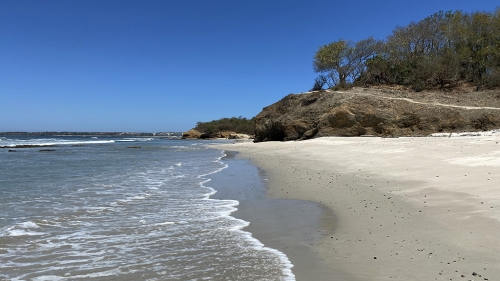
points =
(438, 51)
(233, 124)
(343, 60)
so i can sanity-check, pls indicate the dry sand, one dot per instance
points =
(405, 208)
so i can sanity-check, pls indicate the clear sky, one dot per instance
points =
(151, 66)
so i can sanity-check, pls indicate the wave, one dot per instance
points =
(49, 143)
(122, 223)
(135, 139)
(21, 229)
(241, 224)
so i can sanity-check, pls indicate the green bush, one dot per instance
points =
(234, 124)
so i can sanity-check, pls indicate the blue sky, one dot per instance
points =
(151, 66)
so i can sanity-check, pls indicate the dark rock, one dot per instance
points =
(134, 147)
(27, 146)
(46, 150)
(12, 150)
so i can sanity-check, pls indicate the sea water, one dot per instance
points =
(122, 209)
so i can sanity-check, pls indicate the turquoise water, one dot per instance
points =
(98, 209)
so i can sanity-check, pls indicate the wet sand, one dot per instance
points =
(274, 221)
(401, 208)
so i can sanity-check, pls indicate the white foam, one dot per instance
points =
(135, 139)
(468, 134)
(164, 223)
(256, 244)
(48, 278)
(21, 229)
(137, 198)
(28, 224)
(22, 232)
(53, 142)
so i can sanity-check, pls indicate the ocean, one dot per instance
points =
(112, 208)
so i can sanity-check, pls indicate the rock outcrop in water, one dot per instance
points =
(191, 134)
(360, 112)
(27, 145)
(195, 134)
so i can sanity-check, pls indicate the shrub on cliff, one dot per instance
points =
(233, 124)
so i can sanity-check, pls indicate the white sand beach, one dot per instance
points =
(424, 208)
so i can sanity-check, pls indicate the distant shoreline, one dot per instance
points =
(92, 134)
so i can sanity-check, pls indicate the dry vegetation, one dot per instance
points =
(464, 94)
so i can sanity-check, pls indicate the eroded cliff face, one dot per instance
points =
(380, 113)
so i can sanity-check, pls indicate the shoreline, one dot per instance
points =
(289, 226)
(406, 208)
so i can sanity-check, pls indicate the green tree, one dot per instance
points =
(438, 51)
(415, 52)
(343, 60)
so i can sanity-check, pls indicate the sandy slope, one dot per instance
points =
(406, 208)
